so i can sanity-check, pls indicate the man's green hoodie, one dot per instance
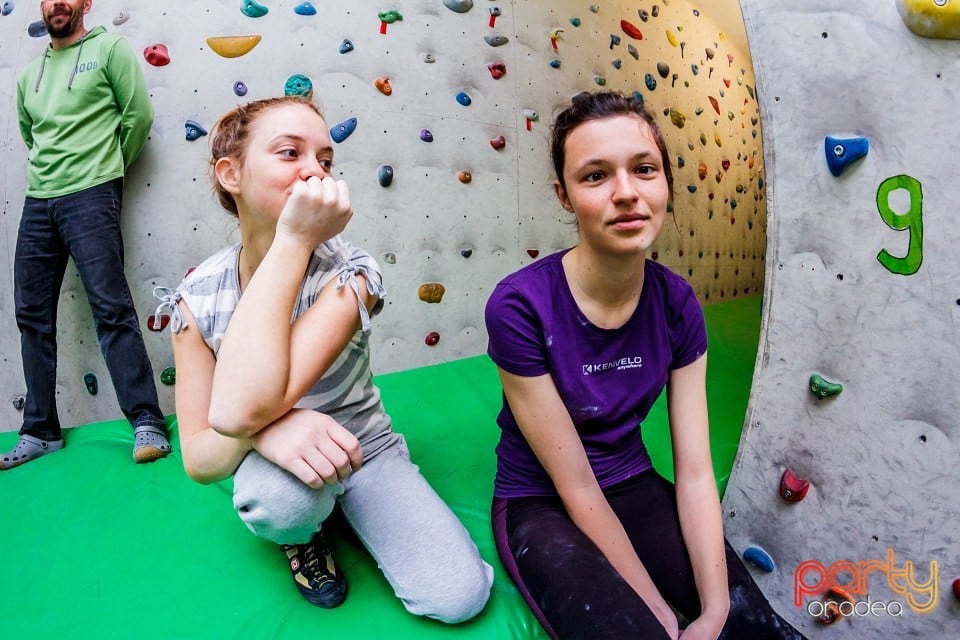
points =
(84, 113)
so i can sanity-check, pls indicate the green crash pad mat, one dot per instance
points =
(94, 546)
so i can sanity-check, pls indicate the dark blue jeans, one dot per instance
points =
(84, 226)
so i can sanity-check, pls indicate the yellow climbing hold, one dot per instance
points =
(716, 138)
(677, 118)
(931, 18)
(671, 38)
(233, 46)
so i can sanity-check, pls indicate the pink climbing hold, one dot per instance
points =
(157, 55)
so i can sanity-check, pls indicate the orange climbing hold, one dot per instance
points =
(465, 177)
(431, 292)
(233, 46)
(714, 104)
(383, 85)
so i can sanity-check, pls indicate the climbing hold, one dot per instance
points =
(37, 29)
(842, 152)
(385, 175)
(792, 488)
(614, 40)
(383, 85)
(7, 8)
(702, 170)
(466, 253)
(495, 39)
(253, 9)
(644, 14)
(158, 321)
(120, 18)
(594, 8)
(298, 85)
(426, 135)
(632, 50)
(345, 46)
(677, 118)
(305, 9)
(714, 103)
(692, 188)
(831, 612)
(931, 19)
(465, 177)
(169, 376)
(725, 164)
(497, 70)
(710, 53)
(390, 258)
(671, 38)
(233, 46)
(240, 88)
(157, 55)
(498, 143)
(494, 14)
(459, 6)
(90, 382)
(533, 253)
(432, 339)
(388, 17)
(19, 401)
(431, 292)
(616, 63)
(717, 140)
(695, 68)
(655, 11)
(575, 22)
(341, 131)
(429, 58)
(956, 583)
(822, 388)
(554, 37)
(650, 81)
(759, 558)
(194, 130)
(631, 30)
(703, 139)
(464, 99)
(555, 63)
(530, 116)
(636, 95)
(600, 80)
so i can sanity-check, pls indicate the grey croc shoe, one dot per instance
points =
(150, 442)
(27, 449)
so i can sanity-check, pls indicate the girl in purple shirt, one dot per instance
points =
(585, 340)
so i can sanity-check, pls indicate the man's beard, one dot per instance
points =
(73, 22)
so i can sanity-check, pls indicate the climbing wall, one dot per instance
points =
(453, 99)
(846, 477)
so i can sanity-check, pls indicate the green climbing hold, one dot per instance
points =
(390, 16)
(90, 382)
(168, 376)
(298, 85)
(823, 388)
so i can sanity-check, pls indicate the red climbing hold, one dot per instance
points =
(725, 164)
(714, 104)
(631, 30)
(157, 55)
(498, 143)
(533, 253)
(497, 70)
(956, 588)
(432, 338)
(792, 488)
(158, 322)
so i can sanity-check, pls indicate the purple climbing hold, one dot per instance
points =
(240, 88)
(194, 130)
(425, 135)
(340, 132)
(305, 9)
(37, 29)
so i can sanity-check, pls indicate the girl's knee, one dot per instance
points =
(459, 598)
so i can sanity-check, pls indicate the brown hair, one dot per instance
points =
(588, 106)
(231, 132)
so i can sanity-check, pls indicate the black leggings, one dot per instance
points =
(576, 593)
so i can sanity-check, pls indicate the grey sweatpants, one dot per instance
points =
(424, 551)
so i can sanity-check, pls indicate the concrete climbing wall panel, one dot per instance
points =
(855, 391)
(449, 75)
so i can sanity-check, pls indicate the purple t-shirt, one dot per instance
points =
(608, 378)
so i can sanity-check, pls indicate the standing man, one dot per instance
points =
(84, 114)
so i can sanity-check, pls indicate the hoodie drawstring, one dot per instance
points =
(43, 63)
(76, 63)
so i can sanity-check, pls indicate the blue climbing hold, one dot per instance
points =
(842, 152)
(90, 382)
(614, 40)
(346, 46)
(298, 85)
(385, 175)
(253, 9)
(37, 29)
(7, 8)
(240, 88)
(425, 135)
(638, 97)
(695, 68)
(194, 130)
(555, 63)
(464, 99)
(692, 188)
(305, 9)
(616, 63)
(575, 22)
(759, 558)
(650, 81)
(632, 50)
(340, 132)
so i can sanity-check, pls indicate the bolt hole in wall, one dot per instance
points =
(463, 129)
